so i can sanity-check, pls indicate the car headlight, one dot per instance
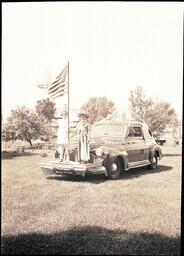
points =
(99, 152)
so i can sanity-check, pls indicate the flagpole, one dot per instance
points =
(68, 112)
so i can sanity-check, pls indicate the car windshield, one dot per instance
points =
(108, 129)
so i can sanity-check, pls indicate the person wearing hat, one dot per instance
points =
(83, 137)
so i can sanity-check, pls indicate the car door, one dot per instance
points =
(148, 137)
(135, 144)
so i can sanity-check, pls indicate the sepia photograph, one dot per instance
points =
(91, 128)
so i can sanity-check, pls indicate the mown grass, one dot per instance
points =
(138, 214)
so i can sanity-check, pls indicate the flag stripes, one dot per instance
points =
(55, 88)
(59, 93)
(60, 85)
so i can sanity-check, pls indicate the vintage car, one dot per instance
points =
(115, 147)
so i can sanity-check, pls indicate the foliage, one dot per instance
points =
(25, 125)
(158, 115)
(140, 104)
(98, 108)
(46, 109)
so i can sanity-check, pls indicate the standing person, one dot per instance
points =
(83, 137)
(62, 138)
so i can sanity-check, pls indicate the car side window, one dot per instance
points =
(135, 132)
(130, 132)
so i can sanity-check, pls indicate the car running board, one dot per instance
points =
(138, 164)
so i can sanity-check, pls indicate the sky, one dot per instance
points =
(112, 47)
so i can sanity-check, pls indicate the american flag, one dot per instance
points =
(60, 86)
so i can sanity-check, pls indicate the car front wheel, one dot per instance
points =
(114, 169)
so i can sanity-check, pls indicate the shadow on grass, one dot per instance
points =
(135, 173)
(96, 179)
(12, 154)
(89, 240)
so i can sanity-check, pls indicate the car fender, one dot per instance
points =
(112, 157)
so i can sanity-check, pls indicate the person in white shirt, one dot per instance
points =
(62, 137)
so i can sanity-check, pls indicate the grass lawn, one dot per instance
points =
(138, 214)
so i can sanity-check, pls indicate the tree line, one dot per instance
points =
(28, 125)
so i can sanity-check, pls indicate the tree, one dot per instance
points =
(45, 108)
(162, 116)
(98, 108)
(158, 115)
(24, 124)
(140, 105)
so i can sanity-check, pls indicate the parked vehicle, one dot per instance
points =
(160, 141)
(115, 147)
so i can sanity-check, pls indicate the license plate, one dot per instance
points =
(63, 171)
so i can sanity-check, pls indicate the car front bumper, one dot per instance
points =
(56, 167)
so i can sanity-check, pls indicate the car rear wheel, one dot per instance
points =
(114, 169)
(154, 163)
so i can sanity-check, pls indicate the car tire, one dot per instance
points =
(114, 169)
(154, 163)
